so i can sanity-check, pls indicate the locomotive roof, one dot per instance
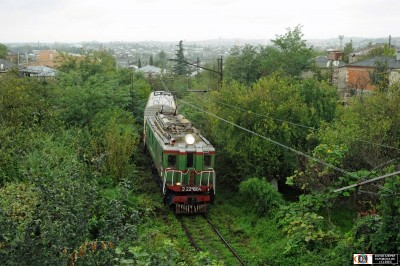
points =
(160, 101)
(173, 128)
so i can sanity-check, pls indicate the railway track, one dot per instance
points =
(216, 232)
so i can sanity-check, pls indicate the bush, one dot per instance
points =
(261, 194)
(305, 228)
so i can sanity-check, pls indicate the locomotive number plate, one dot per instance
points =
(190, 189)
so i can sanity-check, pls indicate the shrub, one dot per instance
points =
(264, 197)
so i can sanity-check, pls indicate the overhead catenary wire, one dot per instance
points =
(367, 181)
(269, 139)
(265, 116)
(296, 151)
(300, 125)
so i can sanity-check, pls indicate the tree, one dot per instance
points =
(90, 86)
(162, 56)
(3, 51)
(384, 50)
(274, 104)
(180, 68)
(243, 65)
(380, 75)
(364, 138)
(292, 54)
(348, 49)
(151, 61)
(139, 64)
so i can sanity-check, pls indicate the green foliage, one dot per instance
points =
(116, 140)
(22, 101)
(119, 217)
(348, 49)
(243, 65)
(306, 230)
(63, 199)
(384, 50)
(288, 54)
(89, 85)
(263, 197)
(140, 91)
(363, 125)
(161, 61)
(387, 237)
(293, 56)
(180, 68)
(364, 231)
(380, 75)
(270, 102)
(17, 206)
(317, 176)
(136, 255)
(3, 51)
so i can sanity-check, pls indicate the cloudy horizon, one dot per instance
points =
(47, 21)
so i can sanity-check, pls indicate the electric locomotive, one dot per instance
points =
(183, 157)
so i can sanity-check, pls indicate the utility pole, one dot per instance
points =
(220, 77)
(218, 71)
(341, 41)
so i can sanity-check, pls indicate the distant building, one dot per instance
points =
(327, 65)
(38, 71)
(358, 74)
(150, 70)
(45, 58)
(362, 53)
(335, 55)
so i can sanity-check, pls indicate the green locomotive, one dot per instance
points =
(183, 157)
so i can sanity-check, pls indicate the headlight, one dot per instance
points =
(178, 184)
(189, 139)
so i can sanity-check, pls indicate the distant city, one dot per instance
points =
(207, 51)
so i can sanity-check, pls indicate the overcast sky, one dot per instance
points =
(190, 20)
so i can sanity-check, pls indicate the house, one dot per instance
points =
(45, 58)
(363, 53)
(327, 65)
(39, 71)
(150, 70)
(358, 74)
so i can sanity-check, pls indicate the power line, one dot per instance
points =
(270, 140)
(300, 153)
(367, 181)
(296, 151)
(257, 114)
(300, 125)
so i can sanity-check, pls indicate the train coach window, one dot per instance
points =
(171, 160)
(189, 162)
(207, 160)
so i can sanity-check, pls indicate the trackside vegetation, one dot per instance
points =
(77, 189)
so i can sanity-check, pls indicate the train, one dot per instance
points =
(184, 159)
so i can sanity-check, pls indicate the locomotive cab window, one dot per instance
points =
(207, 160)
(189, 160)
(172, 161)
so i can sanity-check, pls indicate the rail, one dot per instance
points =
(196, 246)
(188, 234)
(224, 241)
